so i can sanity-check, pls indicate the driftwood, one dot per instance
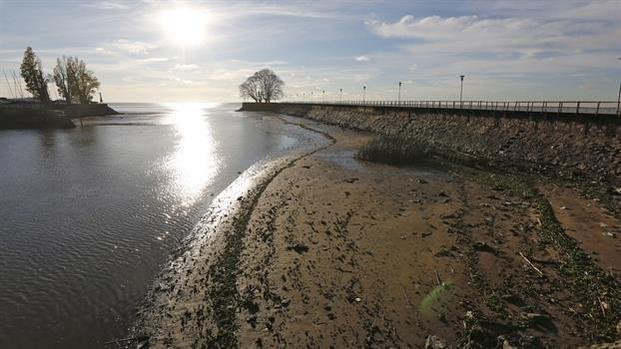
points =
(129, 339)
(531, 264)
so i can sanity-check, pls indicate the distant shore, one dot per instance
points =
(325, 250)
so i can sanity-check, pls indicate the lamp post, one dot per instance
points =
(619, 96)
(340, 95)
(399, 95)
(323, 95)
(461, 90)
(364, 93)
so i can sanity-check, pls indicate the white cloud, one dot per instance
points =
(528, 36)
(363, 58)
(109, 5)
(185, 67)
(132, 47)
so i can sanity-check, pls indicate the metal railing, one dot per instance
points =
(551, 107)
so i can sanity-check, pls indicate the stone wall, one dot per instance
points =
(570, 145)
(84, 110)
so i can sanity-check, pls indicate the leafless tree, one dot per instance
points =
(250, 89)
(263, 87)
(62, 73)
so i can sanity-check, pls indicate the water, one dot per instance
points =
(89, 215)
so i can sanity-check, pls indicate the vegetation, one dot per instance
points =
(263, 87)
(397, 150)
(75, 83)
(32, 72)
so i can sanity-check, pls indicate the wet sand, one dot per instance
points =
(327, 251)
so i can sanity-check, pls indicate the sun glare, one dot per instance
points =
(184, 26)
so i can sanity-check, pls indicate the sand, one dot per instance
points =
(328, 251)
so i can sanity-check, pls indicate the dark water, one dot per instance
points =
(89, 215)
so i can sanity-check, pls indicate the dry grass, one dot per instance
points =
(397, 150)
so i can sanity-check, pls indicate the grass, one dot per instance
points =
(393, 150)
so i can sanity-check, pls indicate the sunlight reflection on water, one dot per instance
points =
(196, 160)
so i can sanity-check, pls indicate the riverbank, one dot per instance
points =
(326, 250)
(35, 115)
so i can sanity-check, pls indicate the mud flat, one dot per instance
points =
(321, 250)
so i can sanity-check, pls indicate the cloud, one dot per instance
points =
(527, 36)
(363, 58)
(185, 67)
(504, 45)
(109, 5)
(132, 47)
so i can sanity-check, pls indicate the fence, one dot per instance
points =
(556, 107)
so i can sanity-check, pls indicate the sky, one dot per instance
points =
(200, 51)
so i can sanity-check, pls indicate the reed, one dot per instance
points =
(395, 150)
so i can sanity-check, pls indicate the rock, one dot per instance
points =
(541, 322)
(434, 342)
(507, 345)
(443, 253)
(285, 302)
(484, 247)
(299, 248)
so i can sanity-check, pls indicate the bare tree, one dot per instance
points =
(74, 81)
(263, 87)
(250, 89)
(32, 72)
(61, 77)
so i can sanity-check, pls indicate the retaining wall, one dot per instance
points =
(570, 145)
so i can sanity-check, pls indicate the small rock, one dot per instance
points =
(507, 345)
(358, 299)
(484, 246)
(434, 342)
(299, 248)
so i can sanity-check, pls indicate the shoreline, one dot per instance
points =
(324, 250)
(40, 116)
(216, 237)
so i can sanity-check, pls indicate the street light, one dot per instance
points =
(619, 97)
(461, 90)
(340, 95)
(399, 95)
(323, 95)
(364, 93)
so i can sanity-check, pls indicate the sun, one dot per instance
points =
(184, 26)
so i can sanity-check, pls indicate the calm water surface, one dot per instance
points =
(89, 215)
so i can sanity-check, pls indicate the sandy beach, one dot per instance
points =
(324, 250)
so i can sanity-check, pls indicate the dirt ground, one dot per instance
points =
(334, 252)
